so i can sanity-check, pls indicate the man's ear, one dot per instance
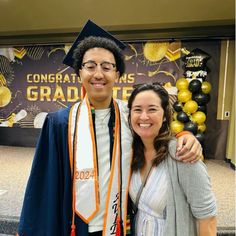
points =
(79, 73)
(117, 76)
(80, 76)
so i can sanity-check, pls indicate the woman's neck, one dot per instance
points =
(149, 150)
(149, 154)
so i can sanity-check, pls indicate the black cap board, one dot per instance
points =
(89, 29)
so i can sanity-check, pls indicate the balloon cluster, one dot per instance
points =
(193, 94)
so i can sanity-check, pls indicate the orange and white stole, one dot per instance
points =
(83, 160)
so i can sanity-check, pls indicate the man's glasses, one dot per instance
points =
(91, 66)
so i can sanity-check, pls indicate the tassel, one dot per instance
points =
(118, 227)
(72, 232)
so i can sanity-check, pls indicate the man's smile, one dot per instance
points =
(98, 84)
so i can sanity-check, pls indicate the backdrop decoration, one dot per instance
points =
(182, 84)
(190, 107)
(191, 126)
(201, 127)
(200, 137)
(176, 126)
(155, 51)
(175, 115)
(206, 87)
(5, 93)
(202, 108)
(182, 117)
(198, 117)
(201, 98)
(195, 61)
(195, 85)
(13, 119)
(193, 94)
(177, 106)
(184, 95)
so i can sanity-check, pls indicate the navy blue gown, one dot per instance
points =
(47, 206)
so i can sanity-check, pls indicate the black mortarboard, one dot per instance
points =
(89, 29)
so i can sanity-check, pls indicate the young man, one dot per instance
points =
(80, 174)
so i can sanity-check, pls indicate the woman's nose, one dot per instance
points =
(144, 115)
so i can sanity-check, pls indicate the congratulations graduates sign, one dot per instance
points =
(33, 80)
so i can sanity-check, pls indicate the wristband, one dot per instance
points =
(181, 133)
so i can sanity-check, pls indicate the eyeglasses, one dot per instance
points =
(91, 66)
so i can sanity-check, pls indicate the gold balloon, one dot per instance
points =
(198, 117)
(176, 126)
(182, 83)
(206, 87)
(5, 96)
(202, 127)
(184, 95)
(190, 107)
(175, 115)
(155, 51)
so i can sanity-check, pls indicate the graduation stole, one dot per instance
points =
(83, 161)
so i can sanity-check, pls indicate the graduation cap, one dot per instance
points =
(89, 29)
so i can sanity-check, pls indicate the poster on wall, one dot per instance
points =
(34, 82)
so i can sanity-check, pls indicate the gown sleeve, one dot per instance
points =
(46, 207)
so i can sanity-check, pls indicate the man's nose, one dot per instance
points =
(98, 72)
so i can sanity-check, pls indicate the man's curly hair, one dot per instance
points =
(98, 42)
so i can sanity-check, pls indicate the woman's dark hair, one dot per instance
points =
(98, 42)
(164, 135)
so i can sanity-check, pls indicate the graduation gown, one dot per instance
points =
(47, 206)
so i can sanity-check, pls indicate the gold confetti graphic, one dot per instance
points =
(155, 51)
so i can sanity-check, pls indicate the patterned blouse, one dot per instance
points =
(152, 203)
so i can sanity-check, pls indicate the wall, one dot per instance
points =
(226, 80)
(230, 149)
(58, 21)
(226, 96)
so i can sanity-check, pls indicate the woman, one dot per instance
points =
(177, 198)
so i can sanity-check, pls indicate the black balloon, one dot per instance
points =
(202, 108)
(195, 85)
(182, 116)
(200, 137)
(177, 106)
(190, 126)
(201, 98)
